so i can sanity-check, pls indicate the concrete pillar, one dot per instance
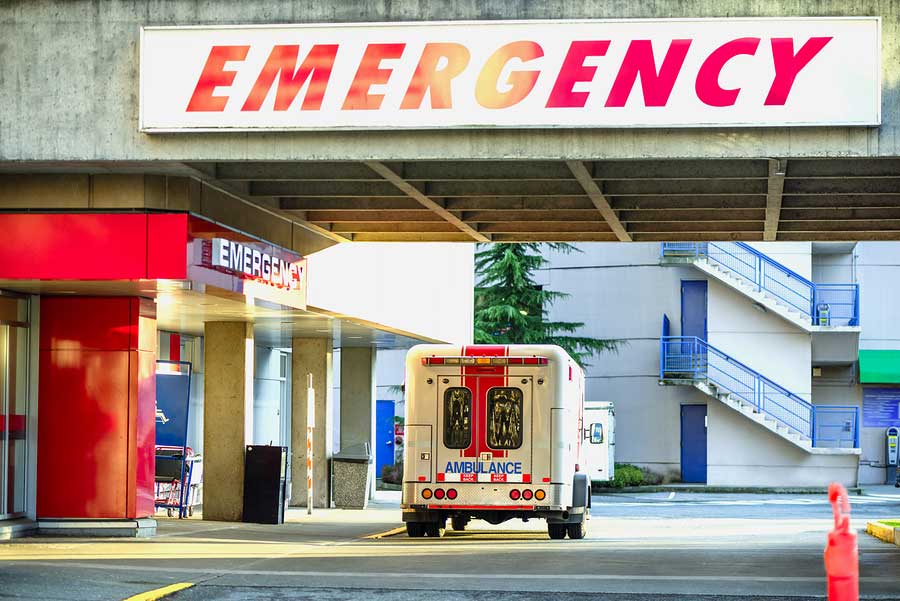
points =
(311, 356)
(227, 416)
(358, 401)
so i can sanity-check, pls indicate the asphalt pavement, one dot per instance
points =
(672, 546)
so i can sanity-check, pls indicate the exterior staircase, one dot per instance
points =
(817, 429)
(775, 287)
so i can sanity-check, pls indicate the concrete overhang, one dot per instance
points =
(690, 199)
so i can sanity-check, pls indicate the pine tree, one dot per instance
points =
(510, 308)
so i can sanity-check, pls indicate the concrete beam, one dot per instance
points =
(555, 237)
(420, 214)
(239, 195)
(596, 195)
(301, 203)
(528, 227)
(777, 171)
(402, 227)
(414, 193)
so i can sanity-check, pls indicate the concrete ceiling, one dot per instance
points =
(839, 199)
(182, 310)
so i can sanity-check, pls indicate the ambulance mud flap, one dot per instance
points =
(581, 491)
(581, 501)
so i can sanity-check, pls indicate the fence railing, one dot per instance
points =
(836, 426)
(689, 357)
(824, 304)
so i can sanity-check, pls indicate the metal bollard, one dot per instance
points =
(841, 553)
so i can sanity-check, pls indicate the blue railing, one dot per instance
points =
(836, 426)
(824, 304)
(689, 357)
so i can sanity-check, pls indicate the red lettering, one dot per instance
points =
(213, 76)
(429, 77)
(707, 86)
(370, 73)
(787, 65)
(282, 62)
(574, 71)
(520, 82)
(657, 87)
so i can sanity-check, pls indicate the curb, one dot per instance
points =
(888, 534)
(723, 490)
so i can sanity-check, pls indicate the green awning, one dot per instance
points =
(879, 367)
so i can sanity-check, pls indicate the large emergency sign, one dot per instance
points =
(643, 73)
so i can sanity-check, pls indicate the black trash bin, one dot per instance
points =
(265, 476)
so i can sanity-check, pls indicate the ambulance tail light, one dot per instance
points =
(451, 494)
(438, 493)
(527, 494)
(426, 493)
(514, 494)
(485, 361)
(540, 495)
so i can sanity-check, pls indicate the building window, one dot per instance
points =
(504, 418)
(457, 418)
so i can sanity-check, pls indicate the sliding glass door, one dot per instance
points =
(13, 405)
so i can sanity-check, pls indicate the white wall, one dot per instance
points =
(740, 453)
(426, 289)
(763, 341)
(795, 255)
(620, 291)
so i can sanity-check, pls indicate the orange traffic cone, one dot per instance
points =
(841, 554)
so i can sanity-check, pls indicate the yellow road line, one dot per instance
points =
(159, 593)
(386, 534)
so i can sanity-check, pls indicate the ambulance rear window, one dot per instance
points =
(457, 418)
(504, 428)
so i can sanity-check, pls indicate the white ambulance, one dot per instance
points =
(501, 432)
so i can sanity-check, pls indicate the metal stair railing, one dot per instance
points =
(768, 275)
(695, 359)
(692, 358)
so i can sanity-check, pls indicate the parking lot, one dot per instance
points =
(640, 546)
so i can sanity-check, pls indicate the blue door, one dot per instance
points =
(384, 435)
(693, 443)
(693, 308)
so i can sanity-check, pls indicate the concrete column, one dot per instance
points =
(358, 401)
(227, 416)
(311, 356)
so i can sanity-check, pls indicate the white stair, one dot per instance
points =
(769, 302)
(766, 421)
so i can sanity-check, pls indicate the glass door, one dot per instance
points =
(13, 405)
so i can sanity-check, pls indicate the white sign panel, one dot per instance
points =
(647, 73)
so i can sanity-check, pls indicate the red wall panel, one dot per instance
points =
(96, 426)
(85, 322)
(167, 244)
(93, 246)
(83, 434)
(41, 246)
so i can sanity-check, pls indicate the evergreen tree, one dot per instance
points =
(510, 308)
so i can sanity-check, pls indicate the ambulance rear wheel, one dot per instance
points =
(435, 529)
(577, 531)
(415, 529)
(556, 531)
(459, 524)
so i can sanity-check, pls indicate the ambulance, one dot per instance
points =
(498, 433)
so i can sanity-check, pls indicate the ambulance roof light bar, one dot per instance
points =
(485, 361)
